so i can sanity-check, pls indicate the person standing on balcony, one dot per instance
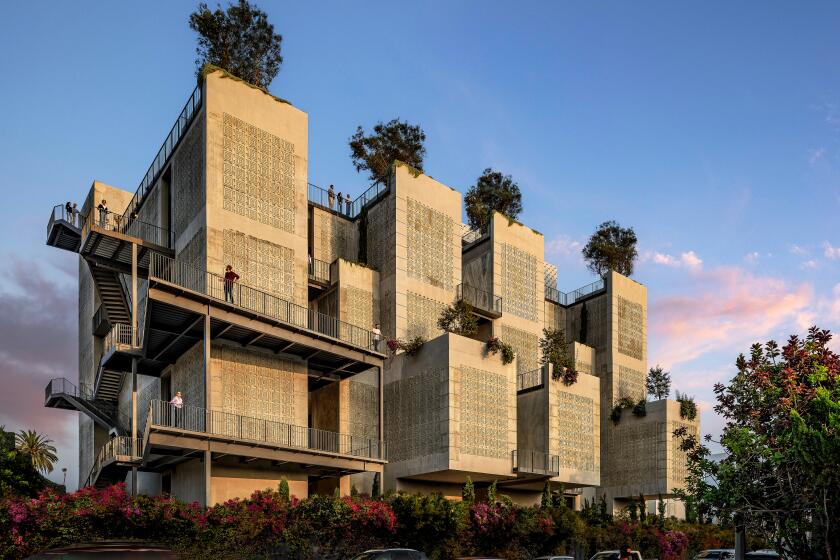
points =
(177, 404)
(377, 336)
(103, 213)
(347, 202)
(331, 196)
(68, 212)
(230, 278)
(74, 214)
(340, 202)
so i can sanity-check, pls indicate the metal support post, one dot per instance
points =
(134, 450)
(134, 338)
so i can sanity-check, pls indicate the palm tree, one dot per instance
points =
(39, 448)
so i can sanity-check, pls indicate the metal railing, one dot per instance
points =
(278, 434)
(555, 295)
(120, 335)
(120, 448)
(472, 236)
(181, 125)
(111, 221)
(535, 462)
(530, 379)
(63, 386)
(60, 213)
(319, 271)
(351, 210)
(479, 298)
(243, 296)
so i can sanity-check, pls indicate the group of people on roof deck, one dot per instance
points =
(344, 205)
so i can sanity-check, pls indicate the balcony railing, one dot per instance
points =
(319, 271)
(323, 198)
(480, 299)
(60, 213)
(535, 462)
(62, 385)
(111, 221)
(120, 337)
(555, 295)
(243, 296)
(472, 236)
(276, 434)
(120, 448)
(530, 380)
(181, 125)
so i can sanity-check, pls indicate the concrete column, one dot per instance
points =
(134, 337)
(208, 455)
(381, 411)
(208, 478)
(134, 449)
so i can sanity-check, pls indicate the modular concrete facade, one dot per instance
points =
(283, 373)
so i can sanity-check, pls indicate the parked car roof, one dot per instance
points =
(106, 549)
(716, 554)
(762, 554)
(391, 554)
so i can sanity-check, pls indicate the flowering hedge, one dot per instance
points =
(268, 524)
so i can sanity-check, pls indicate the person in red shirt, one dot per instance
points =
(230, 278)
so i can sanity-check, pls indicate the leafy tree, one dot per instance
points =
(283, 489)
(492, 192)
(779, 474)
(39, 448)
(555, 351)
(468, 493)
(658, 382)
(389, 142)
(545, 499)
(17, 475)
(239, 40)
(491, 493)
(688, 408)
(458, 318)
(611, 247)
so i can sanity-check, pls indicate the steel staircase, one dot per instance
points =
(62, 393)
(111, 293)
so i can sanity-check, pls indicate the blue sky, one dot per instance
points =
(712, 128)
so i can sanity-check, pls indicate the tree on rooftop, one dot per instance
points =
(658, 382)
(779, 475)
(239, 40)
(394, 140)
(492, 191)
(458, 318)
(611, 247)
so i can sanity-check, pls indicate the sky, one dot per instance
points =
(711, 128)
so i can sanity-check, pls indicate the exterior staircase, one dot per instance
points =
(111, 293)
(62, 393)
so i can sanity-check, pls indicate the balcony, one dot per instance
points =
(319, 272)
(530, 380)
(264, 304)
(115, 457)
(474, 236)
(535, 463)
(483, 303)
(62, 393)
(567, 299)
(64, 229)
(322, 198)
(180, 428)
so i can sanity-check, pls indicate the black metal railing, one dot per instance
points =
(340, 205)
(319, 271)
(530, 379)
(479, 298)
(63, 386)
(555, 295)
(181, 125)
(111, 221)
(278, 434)
(258, 301)
(473, 235)
(535, 462)
(119, 448)
(60, 213)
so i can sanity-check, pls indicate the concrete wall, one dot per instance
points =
(239, 481)
(332, 236)
(188, 481)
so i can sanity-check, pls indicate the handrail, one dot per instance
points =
(227, 424)
(60, 213)
(530, 379)
(473, 235)
(479, 298)
(121, 334)
(181, 125)
(119, 223)
(113, 449)
(319, 270)
(322, 197)
(255, 300)
(535, 462)
(555, 295)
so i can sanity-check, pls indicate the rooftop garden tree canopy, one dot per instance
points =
(611, 247)
(395, 140)
(492, 191)
(779, 474)
(239, 40)
(658, 382)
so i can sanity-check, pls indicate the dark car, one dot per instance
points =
(763, 555)
(391, 554)
(716, 554)
(104, 550)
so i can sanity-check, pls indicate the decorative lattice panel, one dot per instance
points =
(259, 174)
(188, 178)
(519, 277)
(382, 236)
(423, 314)
(483, 428)
(188, 376)
(631, 328)
(364, 409)
(574, 430)
(679, 458)
(194, 252)
(631, 383)
(635, 454)
(337, 238)
(259, 263)
(414, 415)
(255, 384)
(526, 345)
(358, 307)
(429, 240)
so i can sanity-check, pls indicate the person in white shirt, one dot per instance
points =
(177, 403)
(377, 336)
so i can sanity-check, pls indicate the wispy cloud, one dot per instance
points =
(752, 258)
(798, 250)
(564, 246)
(810, 264)
(688, 259)
(830, 251)
(816, 155)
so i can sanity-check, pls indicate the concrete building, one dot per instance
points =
(282, 373)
